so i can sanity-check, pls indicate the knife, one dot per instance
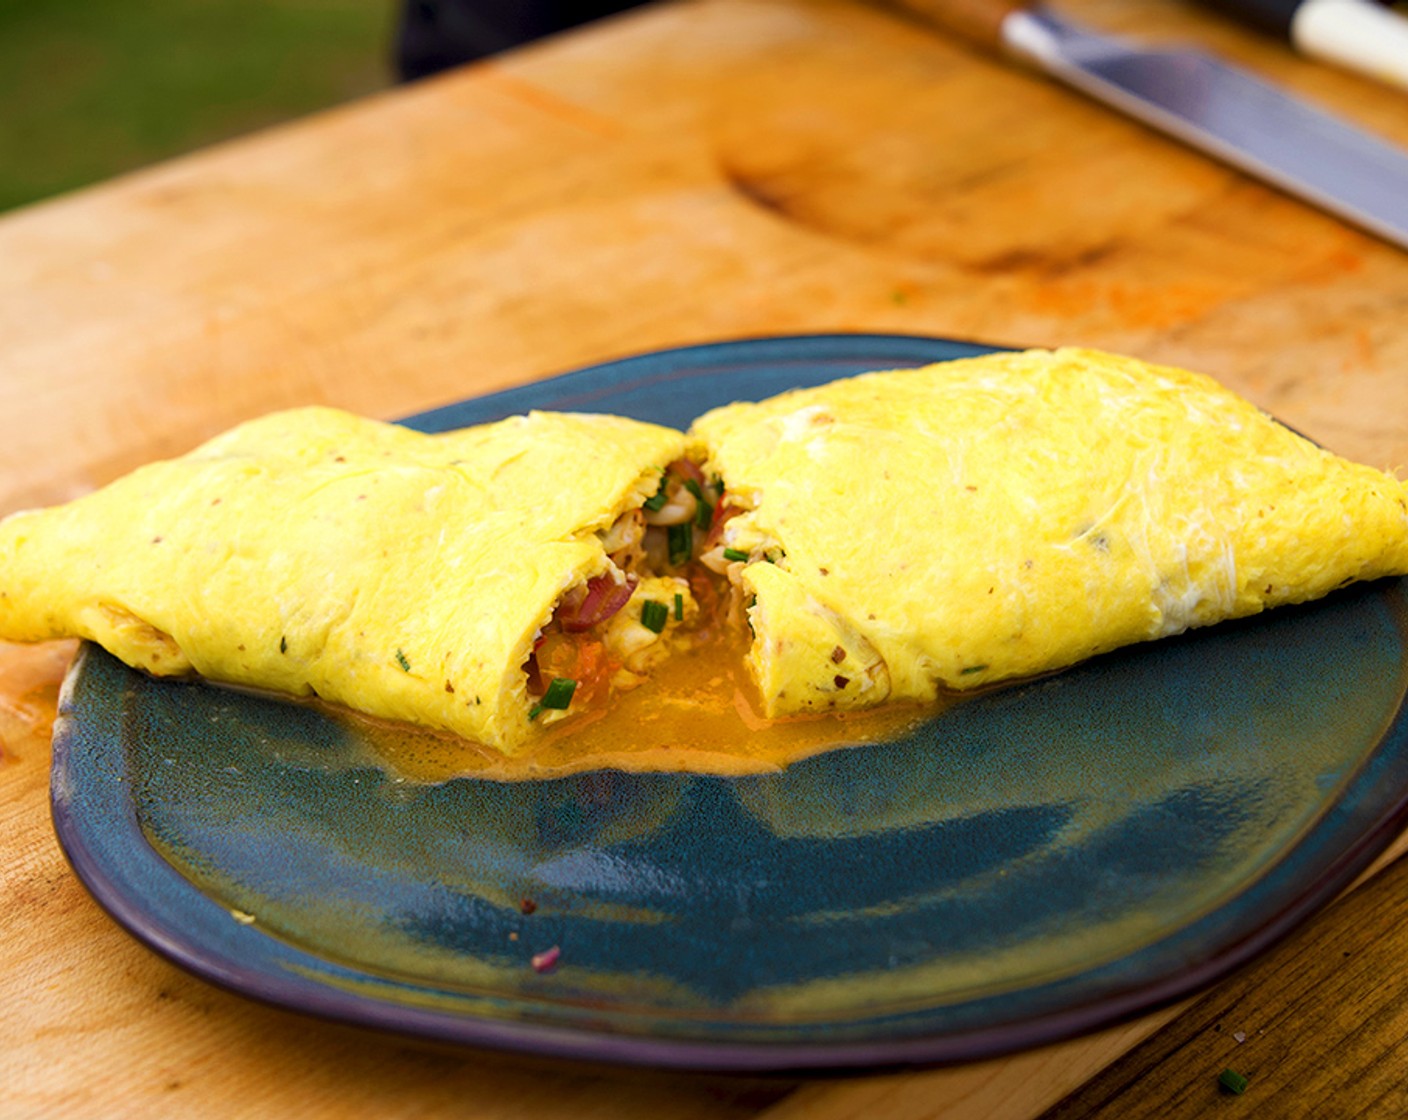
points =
(1361, 35)
(1204, 103)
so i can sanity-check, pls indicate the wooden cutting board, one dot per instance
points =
(687, 172)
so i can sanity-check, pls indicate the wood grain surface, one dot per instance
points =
(683, 173)
(1329, 986)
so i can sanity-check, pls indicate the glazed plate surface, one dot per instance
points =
(1030, 864)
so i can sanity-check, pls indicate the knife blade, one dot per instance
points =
(1195, 98)
(1361, 35)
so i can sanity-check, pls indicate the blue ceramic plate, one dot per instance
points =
(1033, 863)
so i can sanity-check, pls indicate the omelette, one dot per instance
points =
(409, 576)
(902, 533)
(882, 539)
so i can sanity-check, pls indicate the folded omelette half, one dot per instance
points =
(315, 552)
(900, 533)
(887, 537)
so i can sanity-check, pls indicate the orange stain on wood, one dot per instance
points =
(549, 103)
(1156, 306)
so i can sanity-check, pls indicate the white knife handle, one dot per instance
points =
(1356, 34)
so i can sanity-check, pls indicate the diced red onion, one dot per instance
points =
(686, 469)
(535, 675)
(547, 960)
(603, 598)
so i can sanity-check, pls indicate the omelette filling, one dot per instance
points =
(657, 597)
(817, 660)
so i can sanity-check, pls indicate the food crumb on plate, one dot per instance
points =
(547, 960)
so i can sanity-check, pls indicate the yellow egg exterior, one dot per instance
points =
(315, 552)
(1003, 516)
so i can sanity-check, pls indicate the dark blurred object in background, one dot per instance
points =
(437, 34)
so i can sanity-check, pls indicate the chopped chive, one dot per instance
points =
(659, 499)
(535, 711)
(694, 488)
(735, 554)
(681, 543)
(654, 615)
(1233, 1081)
(559, 693)
(401, 661)
(703, 515)
(971, 669)
(283, 644)
(679, 607)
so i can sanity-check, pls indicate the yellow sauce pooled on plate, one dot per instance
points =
(698, 712)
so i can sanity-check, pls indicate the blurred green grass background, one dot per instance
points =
(91, 88)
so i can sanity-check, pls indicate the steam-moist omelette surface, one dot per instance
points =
(311, 551)
(888, 538)
(1002, 516)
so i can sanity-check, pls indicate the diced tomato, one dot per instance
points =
(704, 587)
(594, 669)
(722, 513)
(578, 657)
